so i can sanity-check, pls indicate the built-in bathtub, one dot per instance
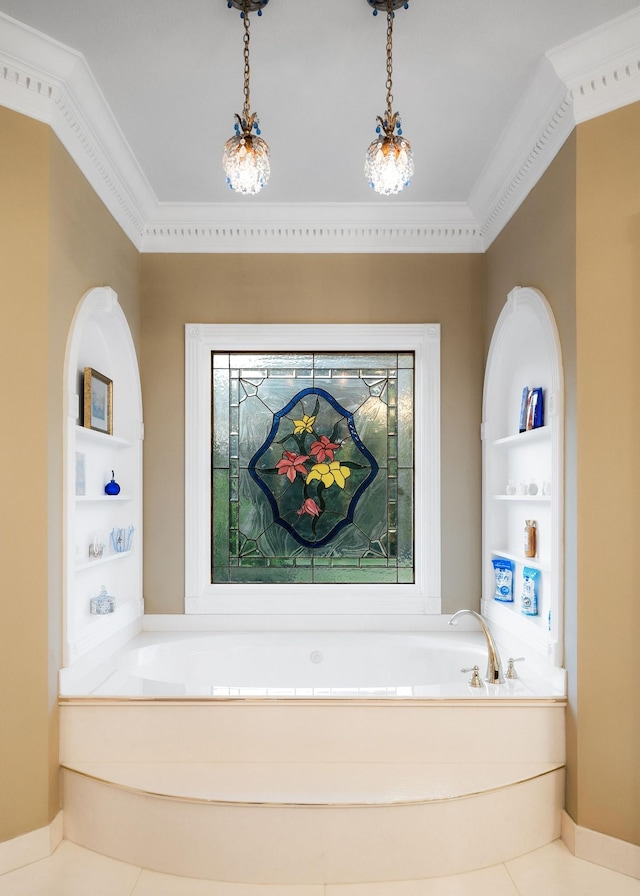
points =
(310, 757)
(304, 664)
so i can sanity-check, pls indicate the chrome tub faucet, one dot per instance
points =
(494, 666)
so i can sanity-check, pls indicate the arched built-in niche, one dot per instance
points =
(524, 353)
(100, 338)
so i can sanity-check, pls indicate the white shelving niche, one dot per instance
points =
(100, 338)
(524, 352)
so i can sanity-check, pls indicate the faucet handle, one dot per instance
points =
(511, 671)
(475, 680)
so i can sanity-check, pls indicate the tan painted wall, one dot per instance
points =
(310, 288)
(537, 248)
(57, 241)
(608, 352)
(24, 713)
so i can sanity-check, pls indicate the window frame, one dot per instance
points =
(203, 597)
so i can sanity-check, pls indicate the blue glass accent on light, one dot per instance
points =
(259, 12)
(277, 417)
(375, 12)
(399, 132)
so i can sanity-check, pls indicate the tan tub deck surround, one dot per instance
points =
(312, 791)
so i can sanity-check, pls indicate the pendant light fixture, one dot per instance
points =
(246, 155)
(388, 164)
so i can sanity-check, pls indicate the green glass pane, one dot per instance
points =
(405, 517)
(266, 360)
(392, 393)
(220, 552)
(247, 575)
(370, 517)
(354, 576)
(405, 418)
(371, 425)
(254, 514)
(355, 361)
(406, 359)
(221, 418)
(254, 424)
(405, 576)
(276, 393)
(258, 562)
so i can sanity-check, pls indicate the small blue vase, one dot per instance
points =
(112, 488)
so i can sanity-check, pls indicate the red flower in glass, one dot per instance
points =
(309, 506)
(291, 464)
(323, 448)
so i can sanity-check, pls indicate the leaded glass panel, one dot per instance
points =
(312, 468)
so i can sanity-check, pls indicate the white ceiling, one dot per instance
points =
(170, 72)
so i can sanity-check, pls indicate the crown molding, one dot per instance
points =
(601, 69)
(593, 74)
(313, 227)
(45, 80)
(534, 135)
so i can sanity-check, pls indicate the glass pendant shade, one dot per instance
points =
(246, 163)
(388, 165)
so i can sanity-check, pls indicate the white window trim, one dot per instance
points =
(202, 597)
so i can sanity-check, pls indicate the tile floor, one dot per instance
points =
(550, 871)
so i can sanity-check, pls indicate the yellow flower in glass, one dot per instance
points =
(304, 425)
(329, 473)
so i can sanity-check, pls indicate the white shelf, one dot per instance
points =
(523, 438)
(100, 499)
(540, 499)
(520, 558)
(89, 564)
(93, 436)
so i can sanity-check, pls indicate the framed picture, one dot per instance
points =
(98, 401)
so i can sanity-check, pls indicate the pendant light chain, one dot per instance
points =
(247, 69)
(389, 84)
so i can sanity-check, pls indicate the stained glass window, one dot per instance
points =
(312, 468)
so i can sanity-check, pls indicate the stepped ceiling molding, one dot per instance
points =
(143, 98)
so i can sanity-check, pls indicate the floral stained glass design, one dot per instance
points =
(312, 468)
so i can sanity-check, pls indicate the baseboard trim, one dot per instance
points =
(31, 847)
(601, 849)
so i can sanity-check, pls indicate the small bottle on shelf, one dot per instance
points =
(530, 538)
